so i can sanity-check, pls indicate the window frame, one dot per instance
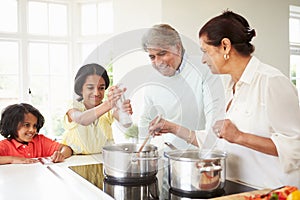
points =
(73, 39)
(294, 46)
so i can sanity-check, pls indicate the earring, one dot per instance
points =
(226, 56)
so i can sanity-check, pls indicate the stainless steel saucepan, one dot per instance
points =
(124, 161)
(194, 170)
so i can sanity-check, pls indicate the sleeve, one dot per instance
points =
(284, 115)
(49, 145)
(69, 126)
(110, 117)
(213, 99)
(145, 118)
(72, 104)
(3, 148)
(106, 121)
(200, 137)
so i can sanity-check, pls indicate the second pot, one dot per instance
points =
(194, 170)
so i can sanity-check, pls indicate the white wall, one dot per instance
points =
(268, 17)
(132, 14)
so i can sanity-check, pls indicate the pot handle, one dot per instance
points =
(211, 168)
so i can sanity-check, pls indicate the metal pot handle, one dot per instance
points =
(212, 168)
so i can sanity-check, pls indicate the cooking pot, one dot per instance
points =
(123, 161)
(194, 170)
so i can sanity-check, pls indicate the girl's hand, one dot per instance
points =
(126, 106)
(57, 156)
(114, 94)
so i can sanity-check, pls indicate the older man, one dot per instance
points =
(184, 91)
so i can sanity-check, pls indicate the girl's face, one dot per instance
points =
(212, 56)
(27, 129)
(93, 91)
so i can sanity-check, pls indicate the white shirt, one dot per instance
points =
(265, 103)
(188, 98)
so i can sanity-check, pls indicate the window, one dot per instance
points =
(96, 18)
(42, 45)
(8, 16)
(294, 35)
(47, 18)
(49, 80)
(9, 73)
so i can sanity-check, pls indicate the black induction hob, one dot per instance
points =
(148, 189)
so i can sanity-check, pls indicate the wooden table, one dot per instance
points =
(241, 196)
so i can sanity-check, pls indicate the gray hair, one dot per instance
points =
(161, 36)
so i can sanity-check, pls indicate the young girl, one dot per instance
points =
(20, 125)
(88, 121)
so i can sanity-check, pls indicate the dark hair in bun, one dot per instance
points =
(232, 26)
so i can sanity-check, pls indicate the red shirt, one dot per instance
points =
(40, 146)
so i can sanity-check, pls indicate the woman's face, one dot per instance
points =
(93, 91)
(27, 129)
(212, 56)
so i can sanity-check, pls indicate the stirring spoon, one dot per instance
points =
(148, 136)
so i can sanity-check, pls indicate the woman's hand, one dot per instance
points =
(227, 130)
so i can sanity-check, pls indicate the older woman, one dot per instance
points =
(261, 132)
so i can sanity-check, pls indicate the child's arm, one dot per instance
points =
(89, 116)
(16, 160)
(62, 153)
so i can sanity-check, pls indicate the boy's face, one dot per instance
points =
(27, 129)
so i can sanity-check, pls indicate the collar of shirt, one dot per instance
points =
(182, 64)
(16, 143)
(247, 75)
(250, 70)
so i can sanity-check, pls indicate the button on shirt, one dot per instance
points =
(40, 146)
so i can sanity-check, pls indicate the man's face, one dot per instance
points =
(166, 61)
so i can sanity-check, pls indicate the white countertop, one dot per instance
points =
(53, 181)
